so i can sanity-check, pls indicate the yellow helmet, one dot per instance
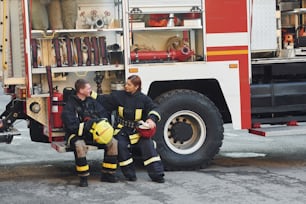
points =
(102, 132)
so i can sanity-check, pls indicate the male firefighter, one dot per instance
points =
(86, 122)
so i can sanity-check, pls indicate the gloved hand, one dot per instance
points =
(88, 124)
(94, 94)
(146, 129)
(143, 125)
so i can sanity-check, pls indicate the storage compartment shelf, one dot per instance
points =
(45, 95)
(42, 33)
(79, 69)
(178, 28)
(295, 11)
(165, 31)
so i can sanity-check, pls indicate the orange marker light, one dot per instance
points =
(233, 66)
(133, 70)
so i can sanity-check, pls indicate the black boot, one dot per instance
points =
(131, 178)
(129, 172)
(109, 177)
(83, 181)
(158, 178)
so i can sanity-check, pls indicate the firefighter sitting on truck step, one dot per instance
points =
(132, 109)
(86, 123)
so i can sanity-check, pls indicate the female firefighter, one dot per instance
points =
(86, 122)
(132, 106)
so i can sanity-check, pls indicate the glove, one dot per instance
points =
(143, 125)
(88, 124)
(102, 131)
(94, 94)
(144, 129)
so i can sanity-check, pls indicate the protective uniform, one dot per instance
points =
(86, 122)
(131, 108)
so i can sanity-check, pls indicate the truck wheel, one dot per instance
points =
(37, 132)
(190, 132)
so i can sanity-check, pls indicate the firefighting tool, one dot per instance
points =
(180, 55)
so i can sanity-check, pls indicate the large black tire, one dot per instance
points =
(190, 132)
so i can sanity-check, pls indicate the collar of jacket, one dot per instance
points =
(134, 94)
(78, 100)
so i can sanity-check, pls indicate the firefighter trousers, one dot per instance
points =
(151, 159)
(79, 147)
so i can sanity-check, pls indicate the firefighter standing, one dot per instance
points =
(132, 106)
(86, 122)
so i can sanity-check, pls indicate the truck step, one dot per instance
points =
(279, 130)
(61, 147)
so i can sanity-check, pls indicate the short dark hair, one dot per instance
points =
(136, 81)
(80, 84)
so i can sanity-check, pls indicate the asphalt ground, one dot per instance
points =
(248, 169)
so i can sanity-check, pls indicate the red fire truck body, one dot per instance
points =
(204, 62)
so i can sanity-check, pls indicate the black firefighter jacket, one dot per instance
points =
(132, 107)
(77, 111)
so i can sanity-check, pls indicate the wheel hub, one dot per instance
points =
(181, 132)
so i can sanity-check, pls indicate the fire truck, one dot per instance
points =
(204, 62)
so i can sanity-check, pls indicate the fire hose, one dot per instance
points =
(79, 54)
(174, 43)
(103, 50)
(69, 51)
(56, 45)
(34, 52)
(95, 47)
(88, 49)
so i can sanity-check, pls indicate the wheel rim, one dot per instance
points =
(185, 132)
